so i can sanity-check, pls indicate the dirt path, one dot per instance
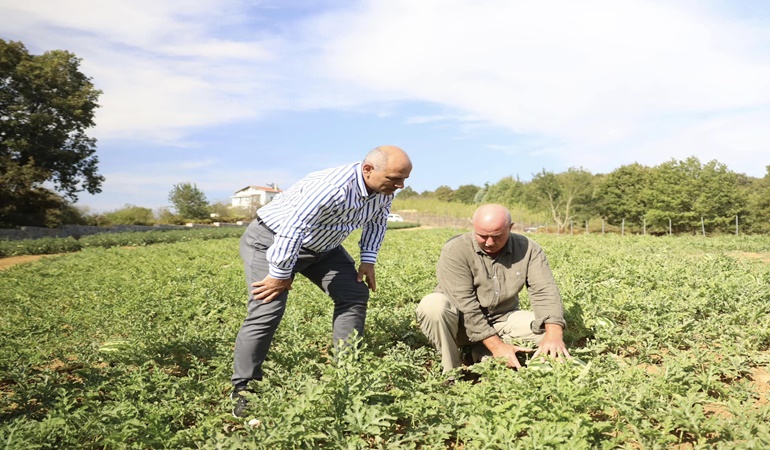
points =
(764, 257)
(421, 227)
(11, 261)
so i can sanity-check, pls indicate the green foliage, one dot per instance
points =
(686, 191)
(189, 201)
(507, 192)
(566, 196)
(758, 194)
(47, 246)
(406, 192)
(225, 212)
(165, 216)
(624, 193)
(683, 191)
(402, 225)
(129, 215)
(42, 246)
(132, 348)
(46, 106)
(466, 193)
(444, 194)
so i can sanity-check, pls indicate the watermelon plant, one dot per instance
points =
(116, 347)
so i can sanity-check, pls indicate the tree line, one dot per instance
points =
(679, 196)
(187, 204)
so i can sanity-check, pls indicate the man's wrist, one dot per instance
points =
(554, 329)
(368, 257)
(493, 343)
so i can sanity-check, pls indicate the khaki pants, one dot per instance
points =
(442, 324)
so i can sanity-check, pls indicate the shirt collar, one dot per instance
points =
(360, 179)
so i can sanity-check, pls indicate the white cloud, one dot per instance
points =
(599, 77)
(595, 83)
(161, 65)
(419, 120)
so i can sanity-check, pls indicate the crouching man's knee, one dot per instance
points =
(433, 308)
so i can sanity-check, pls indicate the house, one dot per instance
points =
(252, 196)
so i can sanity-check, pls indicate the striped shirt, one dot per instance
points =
(319, 212)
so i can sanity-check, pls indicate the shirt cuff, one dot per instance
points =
(368, 257)
(480, 336)
(278, 273)
(538, 326)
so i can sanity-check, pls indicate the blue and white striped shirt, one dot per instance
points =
(319, 212)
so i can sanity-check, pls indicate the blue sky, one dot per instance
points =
(229, 93)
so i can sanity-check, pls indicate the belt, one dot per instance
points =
(263, 224)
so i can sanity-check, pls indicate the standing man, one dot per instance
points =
(480, 275)
(301, 231)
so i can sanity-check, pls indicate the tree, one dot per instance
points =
(623, 194)
(189, 201)
(686, 191)
(466, 193)
(563, 195)
(427, 194)
(221, 208)
(507, 192)
(481, 194)
(46, 106)
(759, 193)
(444, 193)
(406, 192)
(130, 215)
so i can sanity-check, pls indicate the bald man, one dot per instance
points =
(476, 301)
(301, 231)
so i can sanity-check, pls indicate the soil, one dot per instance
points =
(764, 257)
(11, 261)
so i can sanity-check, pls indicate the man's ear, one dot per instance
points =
(367, 168)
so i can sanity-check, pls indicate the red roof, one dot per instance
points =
(261, 188)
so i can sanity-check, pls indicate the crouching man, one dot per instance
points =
(476, 301)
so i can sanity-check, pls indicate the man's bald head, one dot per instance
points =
(385, 169)
(384, 155)
(492, 215)
(491, 227)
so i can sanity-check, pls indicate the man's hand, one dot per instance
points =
(366, 272)
(553, 343)
(270, 288)
(508, 352)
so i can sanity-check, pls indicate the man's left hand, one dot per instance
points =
(366, 272)
(553, 343)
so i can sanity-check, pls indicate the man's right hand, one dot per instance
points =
(270, 288)
(508, 352)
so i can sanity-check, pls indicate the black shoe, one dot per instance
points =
(239, 396)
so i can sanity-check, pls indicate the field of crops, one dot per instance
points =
(132, 348)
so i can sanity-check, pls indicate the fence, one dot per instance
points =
(77, 231)
(588, 227)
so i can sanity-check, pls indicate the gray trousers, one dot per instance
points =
(333, 271)
(443, 325)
